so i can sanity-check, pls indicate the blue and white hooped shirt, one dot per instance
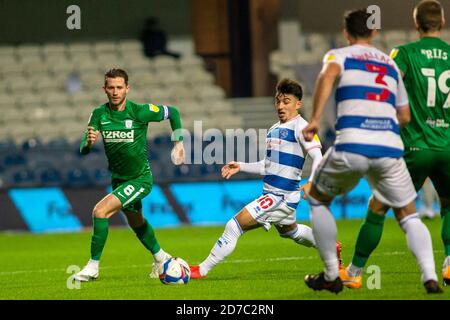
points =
(285, 156)
(369, 91)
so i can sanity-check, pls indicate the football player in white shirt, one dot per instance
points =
(372, 107)
(282, 169)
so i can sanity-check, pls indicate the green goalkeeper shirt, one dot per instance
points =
(426, 68)
(125, 135)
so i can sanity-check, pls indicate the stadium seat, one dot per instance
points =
(32, 145)
(129, 45)
(76, 48)
(28, 49)
(58, 144)
(78, 178)
(18, 85)
(24, 178)
(51, 177)
(104, 47)
(102, 177)
(164, 63)
(7, 146)
(54, 48)
(10, 68)
(14, 159)
(210, 92)
(6, 101)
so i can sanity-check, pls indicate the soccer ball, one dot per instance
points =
(175, 271)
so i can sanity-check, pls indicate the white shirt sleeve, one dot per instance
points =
(334, 56)
(316, 156)
(402, 95)
(307, 145)
(253, 167)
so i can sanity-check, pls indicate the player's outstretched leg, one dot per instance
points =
(222, 249)
(368, 239)
(98, 240)
(324, 230)
(107, 207)
(419, 243)
(146, 235)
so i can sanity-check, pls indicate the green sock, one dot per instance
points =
(99, 237)
(146, 235)
(368, 238)
(445, 231)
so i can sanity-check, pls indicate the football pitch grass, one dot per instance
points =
(263, 266)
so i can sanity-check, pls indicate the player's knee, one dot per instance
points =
(99, 212)
(314, 202)
(376, 206)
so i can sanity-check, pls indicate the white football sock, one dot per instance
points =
(94, 264)
(324, 231)
(354, 271)
(224, 246)
(419, 243)
(160, 256)
(302, 235)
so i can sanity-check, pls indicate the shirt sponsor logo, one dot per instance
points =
(118, 136)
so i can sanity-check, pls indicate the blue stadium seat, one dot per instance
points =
(162, 140)
(102, 177)
(210, 169)
(58, 144)
(51, 177)
(13, 159)
(78, 178)
(182, 171)
(24, 178)
(32, 144)
(7, 146)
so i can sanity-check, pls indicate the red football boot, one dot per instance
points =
(195, 272)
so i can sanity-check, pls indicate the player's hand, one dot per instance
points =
(310, 130)
(230, 169)
(178, 154)
(305, 188)
(92, 136)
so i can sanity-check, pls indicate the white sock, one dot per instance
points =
(302, 235)
(354, 271)
(224, 246)
(324, 231)
(419, 243)
(94, 264)
(160, 256)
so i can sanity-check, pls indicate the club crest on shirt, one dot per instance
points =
(128, 124)
(283, 133)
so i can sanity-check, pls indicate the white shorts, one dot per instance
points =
(389, 179)
(271, 209)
